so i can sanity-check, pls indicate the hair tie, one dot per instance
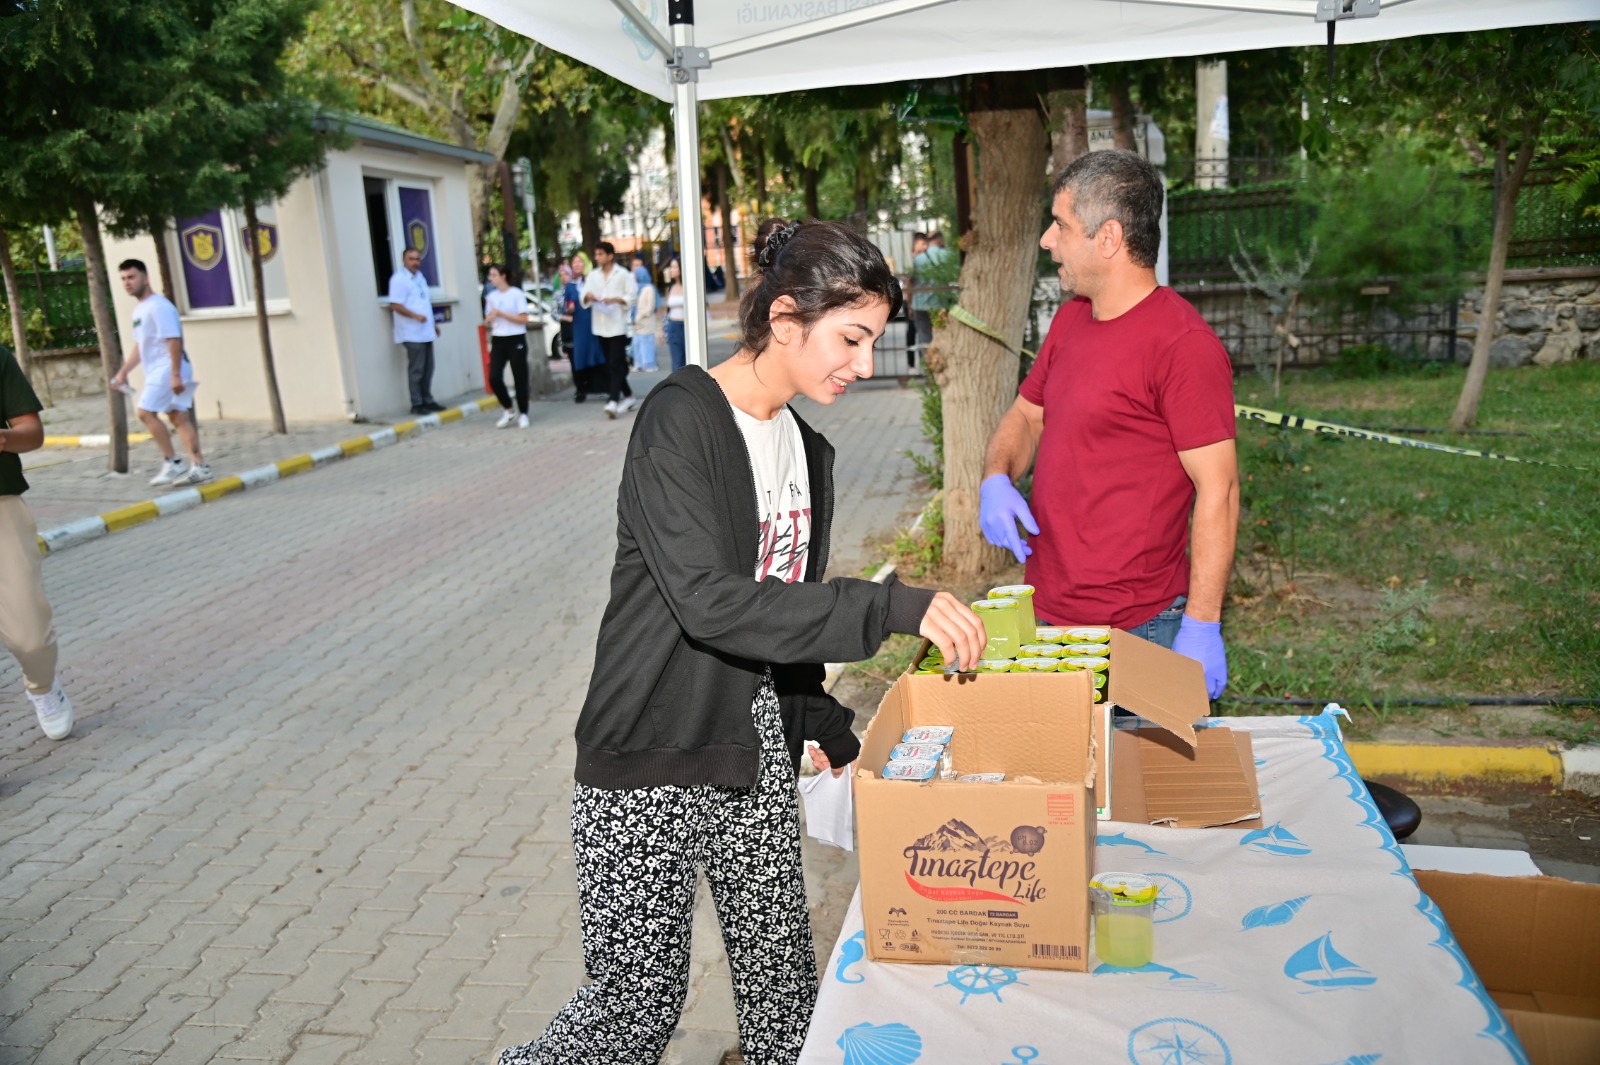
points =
(775, 245)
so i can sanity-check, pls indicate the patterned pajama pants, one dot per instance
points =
(637, 856)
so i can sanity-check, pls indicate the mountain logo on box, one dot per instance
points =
(999, 863)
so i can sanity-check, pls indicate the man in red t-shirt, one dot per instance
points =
(1129, 409)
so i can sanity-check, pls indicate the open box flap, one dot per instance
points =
(1161, 686)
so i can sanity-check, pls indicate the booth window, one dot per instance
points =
(214, 249)
(400, 216)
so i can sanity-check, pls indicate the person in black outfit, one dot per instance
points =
(707, 682)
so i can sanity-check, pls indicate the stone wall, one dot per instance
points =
(68, 374)
(1545, 317)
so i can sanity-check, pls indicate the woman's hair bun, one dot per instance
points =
(771, 238)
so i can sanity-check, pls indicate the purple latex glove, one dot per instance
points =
(1202, 641)
(1000, 508)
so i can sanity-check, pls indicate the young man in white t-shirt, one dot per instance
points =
(168, 378)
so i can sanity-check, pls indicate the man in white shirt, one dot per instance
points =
(411, 303)
(168, 378)
(610, 290)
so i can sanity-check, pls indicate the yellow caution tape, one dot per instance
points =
(1293, 421)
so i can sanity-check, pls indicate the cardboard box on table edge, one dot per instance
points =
(1535, 943)
(1162, 775)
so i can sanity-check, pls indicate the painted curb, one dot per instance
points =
(1542, 766)
(86, 529)
(91, 440)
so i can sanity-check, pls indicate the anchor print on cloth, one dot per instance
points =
(1320, 966)
(880, 1044)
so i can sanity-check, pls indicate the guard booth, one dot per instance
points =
(330, 245)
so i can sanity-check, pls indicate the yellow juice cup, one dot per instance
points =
(1023, 594)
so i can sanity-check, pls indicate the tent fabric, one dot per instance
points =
(967, 36)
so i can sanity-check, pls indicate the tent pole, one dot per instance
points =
(691, 236)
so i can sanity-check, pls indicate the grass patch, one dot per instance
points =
(1368, 572)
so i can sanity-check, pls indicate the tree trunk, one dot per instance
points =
(813, 211)
(1505, 217)
(1121, 113)
(761, 179)
(858, 217)
(730, 236)
(274, 400)
(1069, 115)
(977, 376)
(19, 320)
(105, 325)
(164, 260)
(961, 164)
(588, 223)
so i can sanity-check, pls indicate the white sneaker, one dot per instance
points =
(522, 421)
(195, 475)
(54, 710)
(611, 409)
(505, 420)
(627, 404)
(171, 470)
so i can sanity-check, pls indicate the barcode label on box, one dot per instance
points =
(1056, 950)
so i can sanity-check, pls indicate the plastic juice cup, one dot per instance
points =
(993, 665)
(1042, 650)
(999, 617)
(1034, 665)
(1049, 634)
(1097, 650)
(1072, 662)
(1124, 918)
(1089, 634)
(1023, 594)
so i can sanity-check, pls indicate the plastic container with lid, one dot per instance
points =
(1085, 649)
(1124, 918)
(1042, 650)
(1000, 625)
(994, 665)
(1089, 634)
(1072, 662)
(911, 769)
(1023, 594)
(1049, 634)
(1034, 665)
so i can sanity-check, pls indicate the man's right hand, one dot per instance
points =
(1000, 508)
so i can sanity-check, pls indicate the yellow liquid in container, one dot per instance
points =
(1124, 939)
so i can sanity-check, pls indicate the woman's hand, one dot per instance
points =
(820, 760)
(955, 629)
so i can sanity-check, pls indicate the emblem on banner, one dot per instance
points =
(417, 236)
(202, 246)
(266, 240)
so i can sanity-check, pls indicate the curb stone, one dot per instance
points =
(86, 529)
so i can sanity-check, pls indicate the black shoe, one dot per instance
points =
(433, 408)
(579, 398)
(418, 408)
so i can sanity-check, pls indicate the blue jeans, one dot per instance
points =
(1163, 628)
(674, 332)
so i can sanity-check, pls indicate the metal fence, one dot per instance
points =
(55, 307)
(1206, 226)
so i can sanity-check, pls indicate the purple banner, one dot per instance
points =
(206, 276)
(416, 226)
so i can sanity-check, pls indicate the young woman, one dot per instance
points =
(568, 300)
(706, 681)
(643, 348)
(672, 328)
(505, 308)
(588, 357)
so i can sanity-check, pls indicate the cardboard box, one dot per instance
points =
(998, 874)
(1148, 776)
(1535, 942)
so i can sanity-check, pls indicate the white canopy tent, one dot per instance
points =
(681, 51)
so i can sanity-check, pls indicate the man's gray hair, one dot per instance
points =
(1117, 184)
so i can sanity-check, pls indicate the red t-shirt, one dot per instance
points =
(1121, 398)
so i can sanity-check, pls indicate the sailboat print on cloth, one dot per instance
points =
(1275, 839)
(1319, 965)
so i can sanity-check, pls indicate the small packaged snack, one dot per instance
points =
(911, 769)
(928, 734)
(916, 751)
(981, 778)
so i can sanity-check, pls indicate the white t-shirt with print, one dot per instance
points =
(155, 321)
(511, 300)
(783, 493)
